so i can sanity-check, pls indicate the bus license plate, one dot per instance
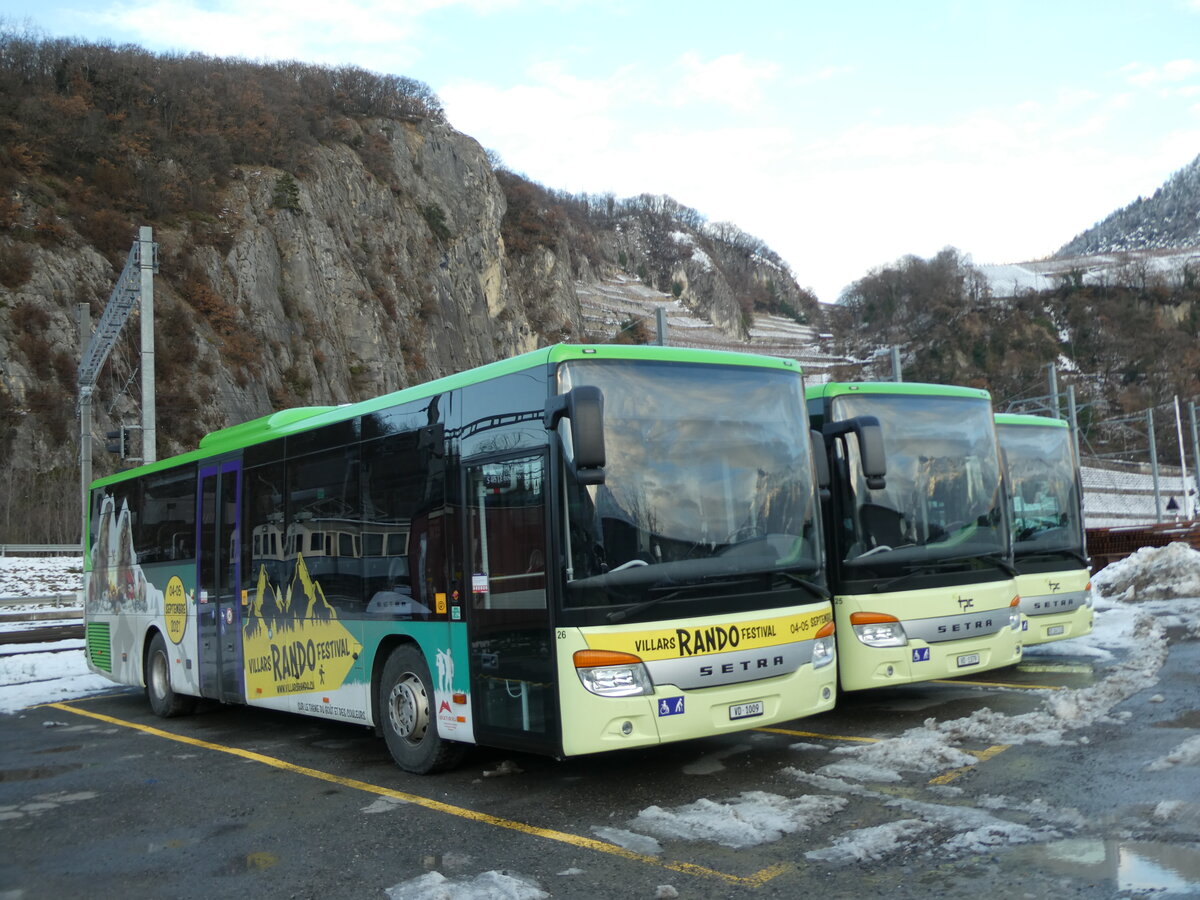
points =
(1055, 629)
(746, 710)
(970, 659)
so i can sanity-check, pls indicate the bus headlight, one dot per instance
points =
(612, 674)
(1014, 614)
(1088, 599)
(823, 647)
(878, 629)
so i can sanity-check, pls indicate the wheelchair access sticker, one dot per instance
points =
(670, 706)
(920, 654)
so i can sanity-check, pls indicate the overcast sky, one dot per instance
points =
(845, 135)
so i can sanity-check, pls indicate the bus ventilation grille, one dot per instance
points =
(99, 646)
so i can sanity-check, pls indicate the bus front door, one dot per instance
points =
(512, 655)
(219, 580)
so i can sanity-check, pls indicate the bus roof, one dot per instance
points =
(899, 388)
(299, 419)
(1034, 421)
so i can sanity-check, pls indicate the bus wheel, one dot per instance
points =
(407, 715)
(163, 699)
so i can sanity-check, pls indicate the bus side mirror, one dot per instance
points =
(870, 447)
(584, 406)
(820, 462)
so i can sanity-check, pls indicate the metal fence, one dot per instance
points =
(40, 550)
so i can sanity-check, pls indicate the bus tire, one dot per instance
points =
(163, 699)
(407, 716)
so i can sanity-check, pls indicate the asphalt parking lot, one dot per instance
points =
(100, 798)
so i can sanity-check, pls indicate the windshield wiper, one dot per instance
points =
(620, 615)
(1050, 554)
(938, 565)
(811, 586)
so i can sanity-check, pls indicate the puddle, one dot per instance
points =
(251, 862)
(1190, 719)
(36, 772)
(66, 748)
(1166, 869)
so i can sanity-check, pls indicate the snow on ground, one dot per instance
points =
(29, 576)
(1128, 637)
(486, 886)
(37, 673)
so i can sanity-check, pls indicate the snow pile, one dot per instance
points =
(917, 750)
(754, 818)
(1152, 573)
(30, 576)
(1186, 754)
(486, 886)
(872, 843)
(30, 677)
(937, 830)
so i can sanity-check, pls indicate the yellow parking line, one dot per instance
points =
(813, 734)
(755, 880)
(1001, 684)
(980, 755)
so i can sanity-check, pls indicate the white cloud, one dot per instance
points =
(372, 33)
(730, 80)
(1163, 76)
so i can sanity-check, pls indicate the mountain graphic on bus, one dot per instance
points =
(276, 609)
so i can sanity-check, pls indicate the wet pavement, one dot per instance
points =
(103, 799)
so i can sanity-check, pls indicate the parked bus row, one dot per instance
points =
(587, 548)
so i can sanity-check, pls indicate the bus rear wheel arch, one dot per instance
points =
(164, 701)
(407, 714)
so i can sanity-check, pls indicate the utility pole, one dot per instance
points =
(661, 319)
(1054, 390)
(1194, 507)
(85, 428)
(147, 265)
(1073, 421)
(897, 375)
(1154, 465)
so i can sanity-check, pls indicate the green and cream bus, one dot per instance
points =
(583, 548)
(917, 537)
(1046, 511)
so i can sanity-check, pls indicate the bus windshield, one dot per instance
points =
(942, 505)
(708, 489)
(1046, 515)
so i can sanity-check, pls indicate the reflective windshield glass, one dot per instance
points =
(1045, 510)
(708, 475)
(942, 500)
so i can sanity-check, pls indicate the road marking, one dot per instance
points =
(980, 755)
(1064, 668)
(576, 840)
(1001, 684)
(813, 734)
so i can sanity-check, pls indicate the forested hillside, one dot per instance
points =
(1128, 342)
(1169, 219)
(324, 235)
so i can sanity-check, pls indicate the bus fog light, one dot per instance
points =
(626, 727)
(1014, 620)
(822, 652)
(890, 671)
(881, 634)
(826, 693)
